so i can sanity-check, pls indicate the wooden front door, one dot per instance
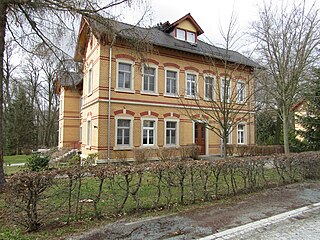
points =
(200, 136)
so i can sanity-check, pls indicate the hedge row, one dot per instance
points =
(36, 198)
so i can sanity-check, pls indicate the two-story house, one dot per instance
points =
(131, 98)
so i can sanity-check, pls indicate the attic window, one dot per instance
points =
(186, 35)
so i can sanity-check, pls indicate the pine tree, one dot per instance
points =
(311, 121)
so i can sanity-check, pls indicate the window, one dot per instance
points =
(241, 134)
(148, 132)
(90, 80)
(181, 34)
(89, 133)
(123, 132)
(225, 89)
(209, 88)
(80, 134)
(124, 79)
(241, 92)
(61, 105)
(191, 37)
(149, 79)
(191, 85)
(171, 133)
(171, 82)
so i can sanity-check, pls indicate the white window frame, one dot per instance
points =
(155, 135)
(80, 133)
(89, 132)
(90, 79)
(177, 132)
(196, 84)
(244, 133)
(187, 37)
(177, 82)
(238, 83)
(120, 89)
(222, 91)
(155, 92)
(184, 35)
(123, 147)
(213, 87)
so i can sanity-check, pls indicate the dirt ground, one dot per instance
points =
(202, 221)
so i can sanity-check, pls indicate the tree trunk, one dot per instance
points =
(286, 131)
(3, 21)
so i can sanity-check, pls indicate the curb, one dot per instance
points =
(238, 231)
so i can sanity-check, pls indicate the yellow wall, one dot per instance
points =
(96, 104)
(187, 25)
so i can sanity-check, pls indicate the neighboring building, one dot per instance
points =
(145, 106)
(299, 111)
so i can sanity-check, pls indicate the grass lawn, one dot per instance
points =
(15, 159)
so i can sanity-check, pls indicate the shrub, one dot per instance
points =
(141, 155)
(37, 162)
(75, 160)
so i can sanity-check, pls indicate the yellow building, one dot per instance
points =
(138, 82)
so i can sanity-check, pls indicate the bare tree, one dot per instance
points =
(41, 23)
(288, 42)
(228, 96)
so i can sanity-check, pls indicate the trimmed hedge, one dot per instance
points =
(35, 198)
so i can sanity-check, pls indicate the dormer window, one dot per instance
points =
(185, 35)
(191, 37)
(181, 34)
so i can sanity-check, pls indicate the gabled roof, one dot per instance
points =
(158, 37)
(186, 17)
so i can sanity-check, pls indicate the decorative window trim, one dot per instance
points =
(244, 133)
(245, 92)
(90, 80)
(155, 136)
(122, 147)
(165, 81)
(155, 92)
(119, 89)
(196, 84)
(169, 119)
(213, 88)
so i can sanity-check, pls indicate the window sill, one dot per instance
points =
(123, 148)
(171, 146)
(209, 100)
(149, 93)
(89, 94)
(149, 147)
(192, 97)
(124, 90)
(88, 147)
(171, 96)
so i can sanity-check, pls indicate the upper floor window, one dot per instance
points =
(191, 85)
(90, 80)
(225, 89)
(191, 37)
(181, 34)
(171, 82)
(124, 75)
(185, 35)
(149, 79)
(241, 92)
(209, 88)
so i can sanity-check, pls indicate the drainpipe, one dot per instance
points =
(109, 100)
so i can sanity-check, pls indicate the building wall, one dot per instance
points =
(69, 119)
(136, 104)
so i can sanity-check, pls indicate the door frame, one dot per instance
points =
(207, 135)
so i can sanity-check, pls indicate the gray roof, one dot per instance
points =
(161, 38)
(69, 79)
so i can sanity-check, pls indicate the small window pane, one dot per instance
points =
(191, 37)
(181, 34)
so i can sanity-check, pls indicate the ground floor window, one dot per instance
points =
(89, 133)
(241, 133)
(123, 132)
(148, 132)
(171, 133)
